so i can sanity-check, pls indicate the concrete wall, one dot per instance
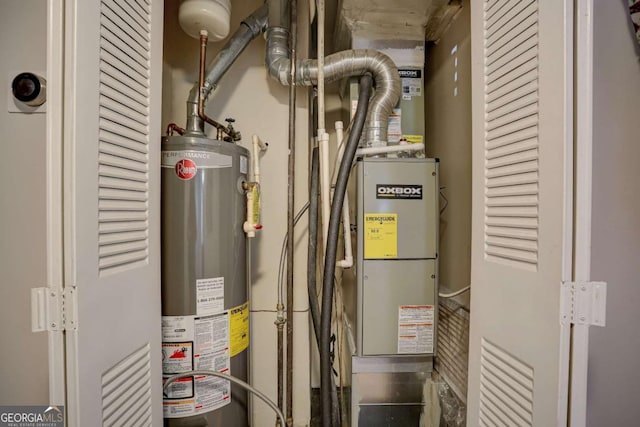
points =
(614, 379)
(24, 369)
(259, 105)
(448, 137)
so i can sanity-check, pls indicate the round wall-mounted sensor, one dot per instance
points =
(29, 89)
(214, 16)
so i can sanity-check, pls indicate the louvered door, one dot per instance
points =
(113, 63)
(522, 211)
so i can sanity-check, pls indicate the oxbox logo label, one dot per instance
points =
(398, 191)
(186, 169)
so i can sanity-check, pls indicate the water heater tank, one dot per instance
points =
(214, 16)
(205, 310)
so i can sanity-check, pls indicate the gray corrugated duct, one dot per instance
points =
(337, 66)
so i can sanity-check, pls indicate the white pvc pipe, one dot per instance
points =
(340, 151)
(258, 146)
(369, 151)
(253, 192)
(323, 137)
(347, 262)
(325, 185)
(320, 15)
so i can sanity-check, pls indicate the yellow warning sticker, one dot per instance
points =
(255, 190)
(238, 329)
(413, 139)
(380, 235)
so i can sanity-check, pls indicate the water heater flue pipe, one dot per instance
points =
(249, 29)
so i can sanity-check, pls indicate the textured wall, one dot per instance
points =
(448, 137)
(614, 380)
(24, 367)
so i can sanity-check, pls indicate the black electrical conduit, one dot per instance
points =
(366, 84)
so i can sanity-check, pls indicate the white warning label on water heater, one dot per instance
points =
(210, 296)
(201, 343)
(415, 329)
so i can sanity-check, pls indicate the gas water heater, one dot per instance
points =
(205, 310)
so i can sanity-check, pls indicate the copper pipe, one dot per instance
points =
(174, 128)
(221, 129)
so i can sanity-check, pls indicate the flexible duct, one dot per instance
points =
(332, 246)
(337, 66)
(249, 29)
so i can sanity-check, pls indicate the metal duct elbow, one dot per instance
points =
(337, 66)
(357, 63)
(277, 57)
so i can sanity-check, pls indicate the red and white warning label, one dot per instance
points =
(415, 329)
(201, 343)
(177, 357)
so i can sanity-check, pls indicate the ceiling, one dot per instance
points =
(393, 20)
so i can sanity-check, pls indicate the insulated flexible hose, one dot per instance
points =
(366, 84)
(312, 252)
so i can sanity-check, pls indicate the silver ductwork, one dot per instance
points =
(337, 66)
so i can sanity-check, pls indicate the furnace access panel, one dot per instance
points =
(398, 217)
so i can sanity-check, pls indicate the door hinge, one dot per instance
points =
(53, 309)
(583, 303)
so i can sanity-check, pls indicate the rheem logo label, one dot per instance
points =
(186, 169)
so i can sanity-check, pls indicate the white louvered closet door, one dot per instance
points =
(113, 64)
(522, 65)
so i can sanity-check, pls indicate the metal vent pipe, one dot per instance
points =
(336, 66)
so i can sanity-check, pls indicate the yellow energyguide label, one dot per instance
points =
(238, 329)
(380, 235)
